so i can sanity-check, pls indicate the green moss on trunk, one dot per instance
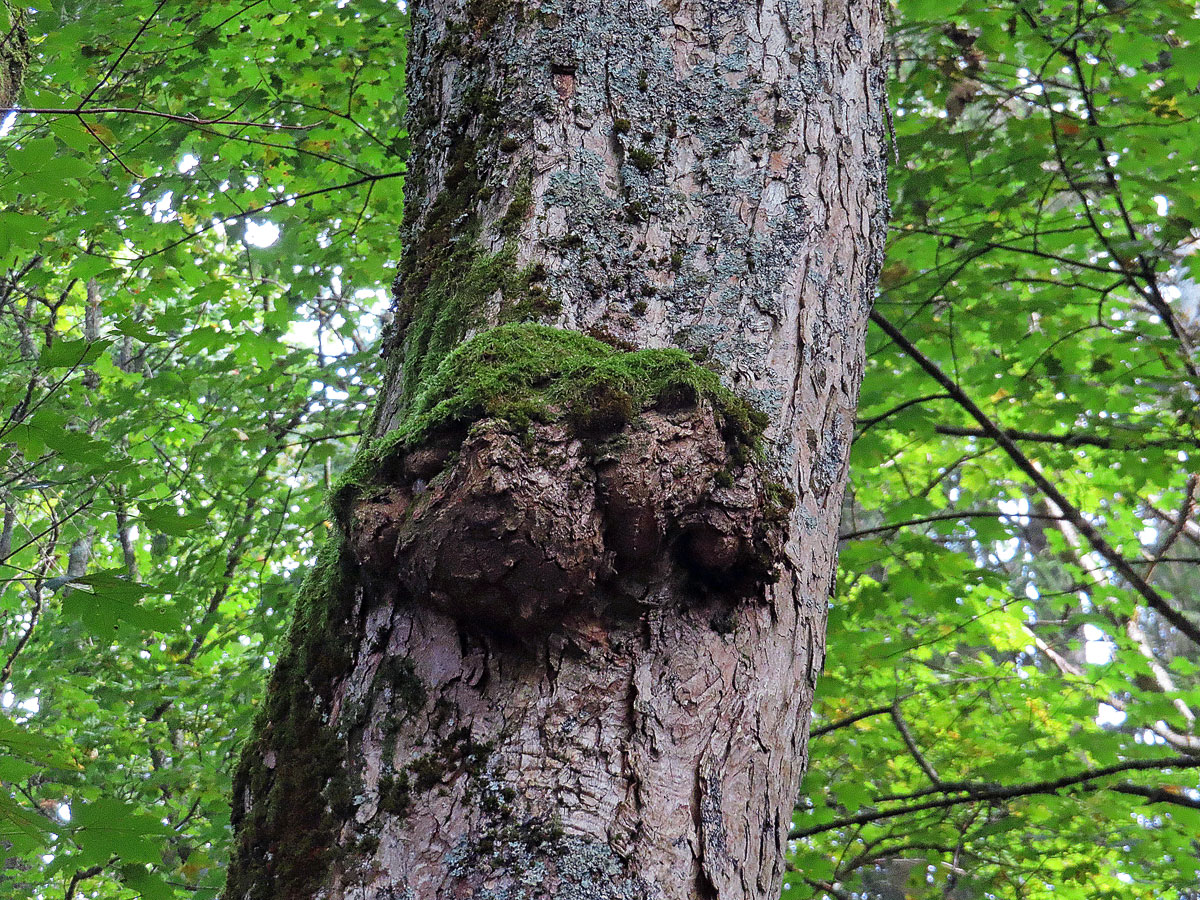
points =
(446, 278)
(523, 373)
(293, 770)
(14, 52)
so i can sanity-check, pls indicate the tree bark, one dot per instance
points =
(14, 52)
(567, 660)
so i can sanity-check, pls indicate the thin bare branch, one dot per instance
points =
(1153, 598)
(991, 793)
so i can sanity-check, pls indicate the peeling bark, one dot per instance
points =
(561, 665)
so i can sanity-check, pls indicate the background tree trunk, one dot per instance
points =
(14, 52)
(540, 665)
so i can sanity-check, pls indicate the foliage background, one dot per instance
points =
(198, 210)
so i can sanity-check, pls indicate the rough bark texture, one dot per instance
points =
(523, 535)
(553, 662)
(14, 53)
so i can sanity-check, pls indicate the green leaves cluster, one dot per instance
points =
(198, 209)
(981, 648)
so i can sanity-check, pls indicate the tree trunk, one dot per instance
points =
(14, 53)
(565, 641)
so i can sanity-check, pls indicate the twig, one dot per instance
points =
(1068, 510)
(116, 62)
(267, 207)
(1072, 439)
(81, 875)
(152, 113)
(911, 743)
(943, 517)
(850, 720)
(987, 793)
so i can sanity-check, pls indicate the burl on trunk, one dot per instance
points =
(564, 638)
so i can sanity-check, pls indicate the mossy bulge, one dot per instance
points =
(528, 373)
(542, 475)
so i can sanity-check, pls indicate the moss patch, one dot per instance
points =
(395, 794)
(294, 768)
(525, 373)
(446, 278)
(455, 291)
(642, 159)
(518, 208)
(455, 754)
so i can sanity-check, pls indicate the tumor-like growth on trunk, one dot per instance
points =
(546, 479)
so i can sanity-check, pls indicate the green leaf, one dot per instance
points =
(136, 329)
(108, 827)
(147, 883)
(21, 830)
(166, 519)
(70, 132)
(17, 741)
(32, 156)
(64, 354)
(20, 231)
(105, 600)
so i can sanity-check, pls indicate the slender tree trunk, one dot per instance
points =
(568, 661)
(14, 52)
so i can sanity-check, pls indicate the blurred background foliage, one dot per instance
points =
(198, 211)
(1005, 711)
(196, 231)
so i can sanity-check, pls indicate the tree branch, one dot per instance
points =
(267, 207)
(120, 56)
(1173, 796)
(911, 743)
(864, 424)
(1069, 511)
(985, 792)
(943, 517)
(152, 113)
(1072, 439)
(850, 720)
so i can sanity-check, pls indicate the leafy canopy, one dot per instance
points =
(198, 206)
